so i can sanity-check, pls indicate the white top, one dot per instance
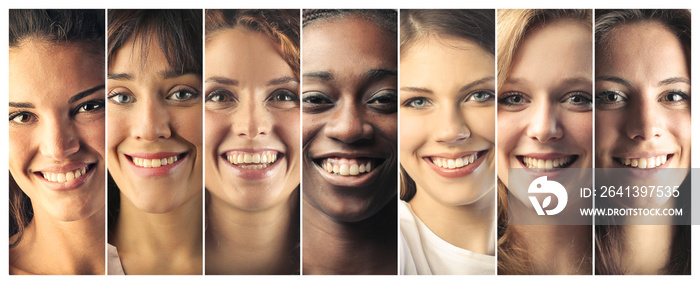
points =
(114, 264)
(424, 253)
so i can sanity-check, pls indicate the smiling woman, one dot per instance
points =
(349, 141)
(252, 140)
(56, 138)
(544, 128)
(155, 141)
(447, 142)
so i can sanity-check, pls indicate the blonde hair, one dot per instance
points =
(513, 26)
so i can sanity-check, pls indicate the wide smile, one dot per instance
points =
(155, 164)
(349, 171)
(454, 167)
(649, 162)
(547, 164)
(252, 164)
(66, 177)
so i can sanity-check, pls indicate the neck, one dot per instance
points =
(167, 243)
(252, 242)
(365, 247)
(470, 227)
(75, 247)
(656, 241)
(558, 249)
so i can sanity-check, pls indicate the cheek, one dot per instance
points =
(608, 130)
(187, 123)
(509, 131)
(386, 126)
(481, 122)
(287, 128)
(414, 132)
(580, 127)
(93, 136)
(217, 126)
(311, 125)
(118, 128)
(21, 153)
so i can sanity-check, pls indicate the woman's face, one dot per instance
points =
(155, 129)
(642, 100)
(349, 120)
(447, 119)
(56, 130)
(545, 103)
(252, 120)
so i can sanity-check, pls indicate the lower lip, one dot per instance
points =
(252, 174)
(69, 185)
(349, 181)
(456, 172)
(157, 171)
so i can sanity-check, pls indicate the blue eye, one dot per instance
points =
(481, 96)
(121, 98)
(417, 103)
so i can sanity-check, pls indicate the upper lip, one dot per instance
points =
(64, 168)
(454, 155)
(348, 155)
(155, 155)
(645, 154)
(251, 150)
(545, 155)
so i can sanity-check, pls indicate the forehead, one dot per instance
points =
(450, 59)
(349, 39)
(40, 69)
(241, 52)
(562, 48)
(647, 50)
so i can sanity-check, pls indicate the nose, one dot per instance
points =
(348, 124)
(152, 121)
(544, 125)
(60, 138)
(452, 127)
(644, 123)
(251, 119)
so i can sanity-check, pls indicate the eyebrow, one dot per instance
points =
(614, 79)
(85, 93)
(673, 81)
(72, 99)
(165, 74)
(323, 76)
(282, 80)
(462, 89)
(222, 80)
(378, 74)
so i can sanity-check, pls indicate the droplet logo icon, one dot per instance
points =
(542, 186)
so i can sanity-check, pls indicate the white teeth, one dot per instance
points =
(64, 177)
(258, 160)
(454, 163)
(645, 162)
(154, 163)
(350, 168)
(534, 163)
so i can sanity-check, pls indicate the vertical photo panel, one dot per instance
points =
(252, 122)
(349, 147)
(154, 144)
(56, 142)
(545, 138)
(448, 150)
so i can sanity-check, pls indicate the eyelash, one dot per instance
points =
(289, 96)
(505, 99)
(684, 97)
(193, 94)
(220, 96)
(96, 104)
(601, 98)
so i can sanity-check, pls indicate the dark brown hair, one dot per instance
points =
(383, 18)
(178, 33)
(56, 27)
(282, 26)
(609, 243)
